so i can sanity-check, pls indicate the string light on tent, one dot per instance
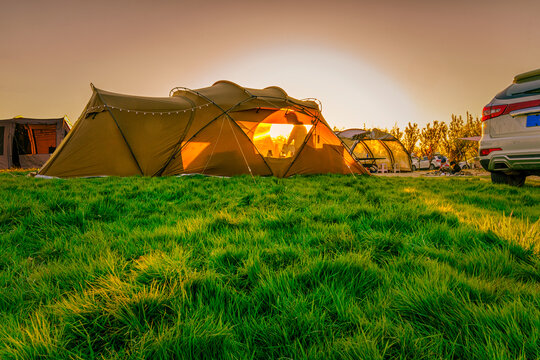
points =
(137, 112)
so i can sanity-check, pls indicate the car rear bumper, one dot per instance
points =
(516, 162)
(512, 154)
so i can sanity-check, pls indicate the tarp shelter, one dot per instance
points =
(28, 143)
(224, 129)
(471, 138)
(375, 147)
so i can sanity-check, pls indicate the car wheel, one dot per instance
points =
(499, 178)
(431, 167)
(413, 168)
(516, 180)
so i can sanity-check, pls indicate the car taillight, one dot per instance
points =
(490, 112)
(484, 152)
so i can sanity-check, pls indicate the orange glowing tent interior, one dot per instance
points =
(224, 130)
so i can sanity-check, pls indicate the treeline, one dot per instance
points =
(440, 137)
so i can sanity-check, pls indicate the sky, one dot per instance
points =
(370, 63)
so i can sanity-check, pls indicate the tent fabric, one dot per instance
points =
(28, 142)
(376, 147)
(222, 130)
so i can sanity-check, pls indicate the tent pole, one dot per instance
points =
(392, 159)
(308, 136)
(179, 143)
(214, 148)
(226, 113)
(121, 133)
(241, 151)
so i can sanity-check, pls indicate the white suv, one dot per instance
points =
(510, 143)
(424, 163)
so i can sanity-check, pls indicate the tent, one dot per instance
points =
(28, 143)
(375, 147)
(224, 129)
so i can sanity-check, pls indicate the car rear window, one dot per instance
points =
(519, 90)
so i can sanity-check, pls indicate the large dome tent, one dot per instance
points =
(375, 147)
(224, 130)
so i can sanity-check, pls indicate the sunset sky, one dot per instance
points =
(370, 62)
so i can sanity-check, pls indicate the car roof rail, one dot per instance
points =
(527, 76)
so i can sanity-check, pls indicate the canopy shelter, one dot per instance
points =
(224, 129)
(375, 147)
(471, 138)
(28, 143)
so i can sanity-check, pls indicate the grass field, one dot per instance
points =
(323, 267)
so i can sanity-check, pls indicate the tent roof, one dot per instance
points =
(49, 121)
(20, 119)
(350, 133)
(228, 95)
(225, 95)
(359, 134)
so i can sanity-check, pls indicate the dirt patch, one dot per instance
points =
(531, 180)
(433, 173)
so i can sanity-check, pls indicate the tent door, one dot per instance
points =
(20, 145)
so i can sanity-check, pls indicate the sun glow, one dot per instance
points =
(352, 92)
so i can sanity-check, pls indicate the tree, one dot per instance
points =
(452, 144)
(452, 141)
(396, 132)
(430, 138)
(473, 127)
(411, 135)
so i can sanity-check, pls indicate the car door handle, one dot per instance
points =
(532, 110)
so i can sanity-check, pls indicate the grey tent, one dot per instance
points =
(28, 143)
(372, 148)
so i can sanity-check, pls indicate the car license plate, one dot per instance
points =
(533, 120)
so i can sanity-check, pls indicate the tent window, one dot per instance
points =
(44, 137)
(281, 134)
(279, 140)
(34, 139)
(2, 140)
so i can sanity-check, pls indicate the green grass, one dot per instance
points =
(323, 267)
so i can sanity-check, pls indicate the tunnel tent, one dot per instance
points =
(375, 147)
(223, 130)
(27, 142)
